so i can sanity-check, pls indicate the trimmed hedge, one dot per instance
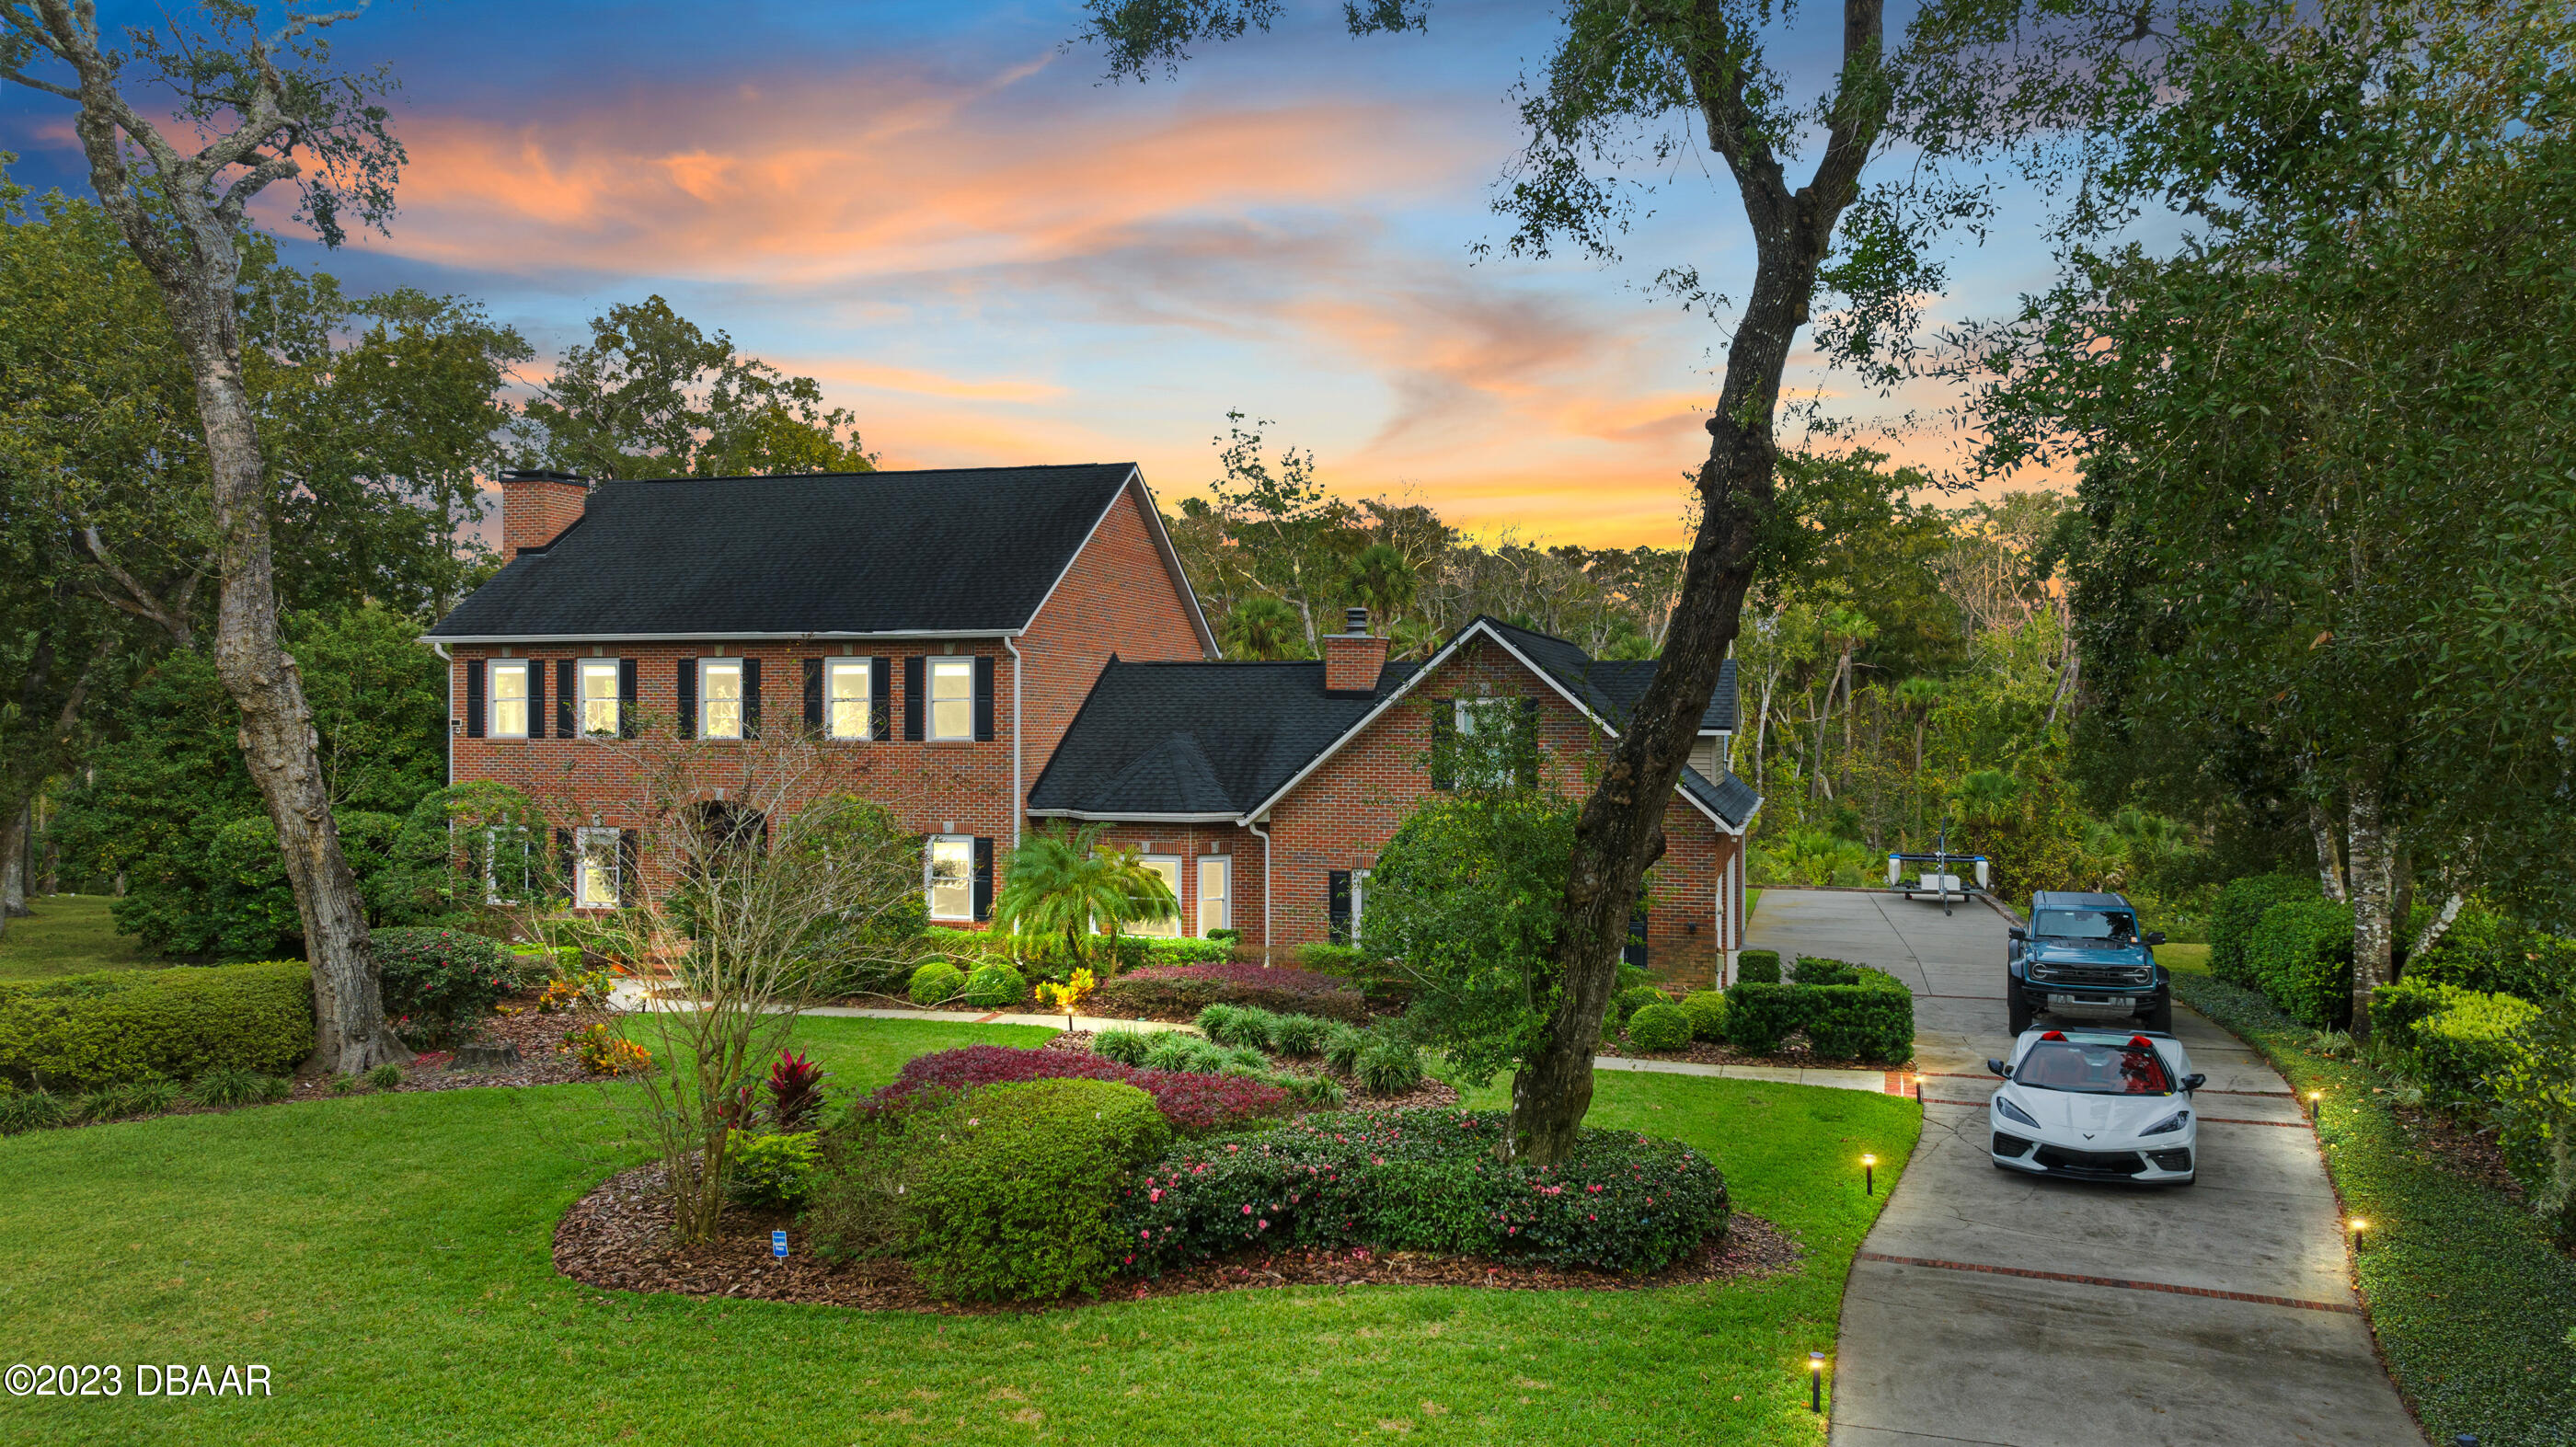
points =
(2457, 1042)
(1817, 970)
(1707, 1012)
(176, 1024)
(1758, 967)
(2239, 909)
(2469, 1301)
(1015, 1203)
(1423, 1180)
(2490, 952)
(1044, 956)
(1870, 1019)
(1660, 1026)
(936, 983)
(2300, 957)
(1185, 990)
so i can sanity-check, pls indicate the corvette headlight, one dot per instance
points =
(2169, 1124)
(2010, 1111)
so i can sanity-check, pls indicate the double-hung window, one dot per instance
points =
(1486, 740)
(720, 698)
(952, 698)
(948, 874)
(509, 704)
(596, 864)
(1166, 867)
(848, 695)
(599, 702)
(506, 865)
(1216, 893)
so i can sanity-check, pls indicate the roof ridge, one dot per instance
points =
(871, 472)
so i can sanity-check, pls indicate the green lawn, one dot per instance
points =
(1752, 898)
(2190, 959)
(69, 934)
(387, 1258)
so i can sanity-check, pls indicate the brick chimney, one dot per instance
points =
(1352, 658)
(537, 506)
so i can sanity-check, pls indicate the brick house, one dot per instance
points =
(983, 649)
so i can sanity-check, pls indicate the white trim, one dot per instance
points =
(582, 669)
(1179, 917)
(741, 723)
(929, 847)
(454, 724)
(1198, 891)
(581, 838)
(866, 666)
(493, 668)
(930, 700)
(728, 635)
(1267, 945)
(1019, 799)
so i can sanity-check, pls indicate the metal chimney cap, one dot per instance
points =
(1355, 622)
(539, 474)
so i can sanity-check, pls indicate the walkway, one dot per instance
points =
(1993, 1308)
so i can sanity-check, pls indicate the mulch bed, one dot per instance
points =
(542, 1060)
(617, 1238)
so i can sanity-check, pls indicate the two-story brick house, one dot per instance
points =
(982, 649)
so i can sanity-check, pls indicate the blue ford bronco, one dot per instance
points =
(2083, 955)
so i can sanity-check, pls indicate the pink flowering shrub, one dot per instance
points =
(1192, 1102)
(1188, 989)
(1423, 1180)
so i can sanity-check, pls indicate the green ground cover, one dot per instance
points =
(388, 1258)
(2475, 1312)
(69, 934)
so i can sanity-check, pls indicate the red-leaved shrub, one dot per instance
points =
(1184, 990)
(1192, 1102)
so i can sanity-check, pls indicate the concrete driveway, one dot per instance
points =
(1991, 1307)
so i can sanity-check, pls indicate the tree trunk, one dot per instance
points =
(2329, 854)
(2374, 886)
(2438, 927)
(14, 829)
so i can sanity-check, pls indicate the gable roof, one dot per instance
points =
(1196, 741)
(943, 550)
(1611, 687)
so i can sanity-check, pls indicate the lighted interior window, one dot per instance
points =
(599, 695)
(1169, 869)
(952, 698)
(720, 699)
(510, 700)
(951, 879)
(847, 694)
(1216, 894)
(595, 869)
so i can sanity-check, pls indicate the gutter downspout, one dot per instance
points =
(1019, 805)
(441, 650)
(1255, 827)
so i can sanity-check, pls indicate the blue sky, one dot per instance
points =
(991, 256)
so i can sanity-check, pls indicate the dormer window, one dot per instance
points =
(509, 705)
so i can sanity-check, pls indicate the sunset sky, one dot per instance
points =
(992, 256)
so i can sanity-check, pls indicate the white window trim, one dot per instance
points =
(1198, 880)
(705, 713)
(491, 856)
(492, 700)
(929, 877)
(581, 697)
(960, 663)
(581, 842)
(1179, 882)
(866, 671)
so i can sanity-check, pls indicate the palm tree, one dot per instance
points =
(1072, 880)
(1264, 627)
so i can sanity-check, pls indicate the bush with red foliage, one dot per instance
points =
(1184, 990)
(1192, 1102)
(795, 1092)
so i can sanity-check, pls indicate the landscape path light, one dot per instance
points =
(1869, 1173)
(1816, 1382)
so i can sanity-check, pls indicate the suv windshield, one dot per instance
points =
(2094, 1069)
(2086, 924)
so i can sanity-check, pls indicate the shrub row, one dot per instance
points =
(2489, 952)
(1188, 989)
(1870, 1018)
(1045, 956)
(1192, 1101)
(2239, 909)
(2300, 957)
(2458, 1043)
(1423, 1180)
(2469, 1302)
(84, 1031)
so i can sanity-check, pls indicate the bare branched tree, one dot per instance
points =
(267, 107)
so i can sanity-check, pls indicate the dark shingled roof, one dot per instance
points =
(1197, 738)
(945, 550)
(1611, 687)
(1731, 799)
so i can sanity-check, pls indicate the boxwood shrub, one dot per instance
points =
(1185, 990)
(1870, 1019)
(1659, 1027)
(2300, 957)
(1015, 1203)
(1758, 967)
(1817, 970)
(1423, 1180)
(83, 1031)
(1707, 1012)
(995, 987)
(1634, 998)
(936, 983)
(2239, 909)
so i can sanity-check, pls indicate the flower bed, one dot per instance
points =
(1192, 1102)
(1180, 991)
(1424, 1180)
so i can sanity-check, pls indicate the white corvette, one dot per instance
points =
(2097, 1105)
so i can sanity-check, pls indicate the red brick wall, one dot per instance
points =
(1118, 597)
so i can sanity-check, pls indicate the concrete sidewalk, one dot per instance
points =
(1989, 1307)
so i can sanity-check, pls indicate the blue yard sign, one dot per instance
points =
(777, 1243)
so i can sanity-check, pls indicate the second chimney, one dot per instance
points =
(1353, 658)
(537, 506)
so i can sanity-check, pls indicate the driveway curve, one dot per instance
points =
(1994, 1308)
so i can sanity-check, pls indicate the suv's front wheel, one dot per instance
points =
(2160, 1014)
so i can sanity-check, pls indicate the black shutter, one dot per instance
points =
(567, 699)
(1337, 906)
(912, 674)
(566, 863)
(814, 696)
(536, 698)
(751, 698)
(1525, 747)
(984, 697)
(880, 689)
(983, 878)
(1635, 951)
(626, 698)
(688, 684)
(474, 698)
(1444, 743)
(628, 841)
